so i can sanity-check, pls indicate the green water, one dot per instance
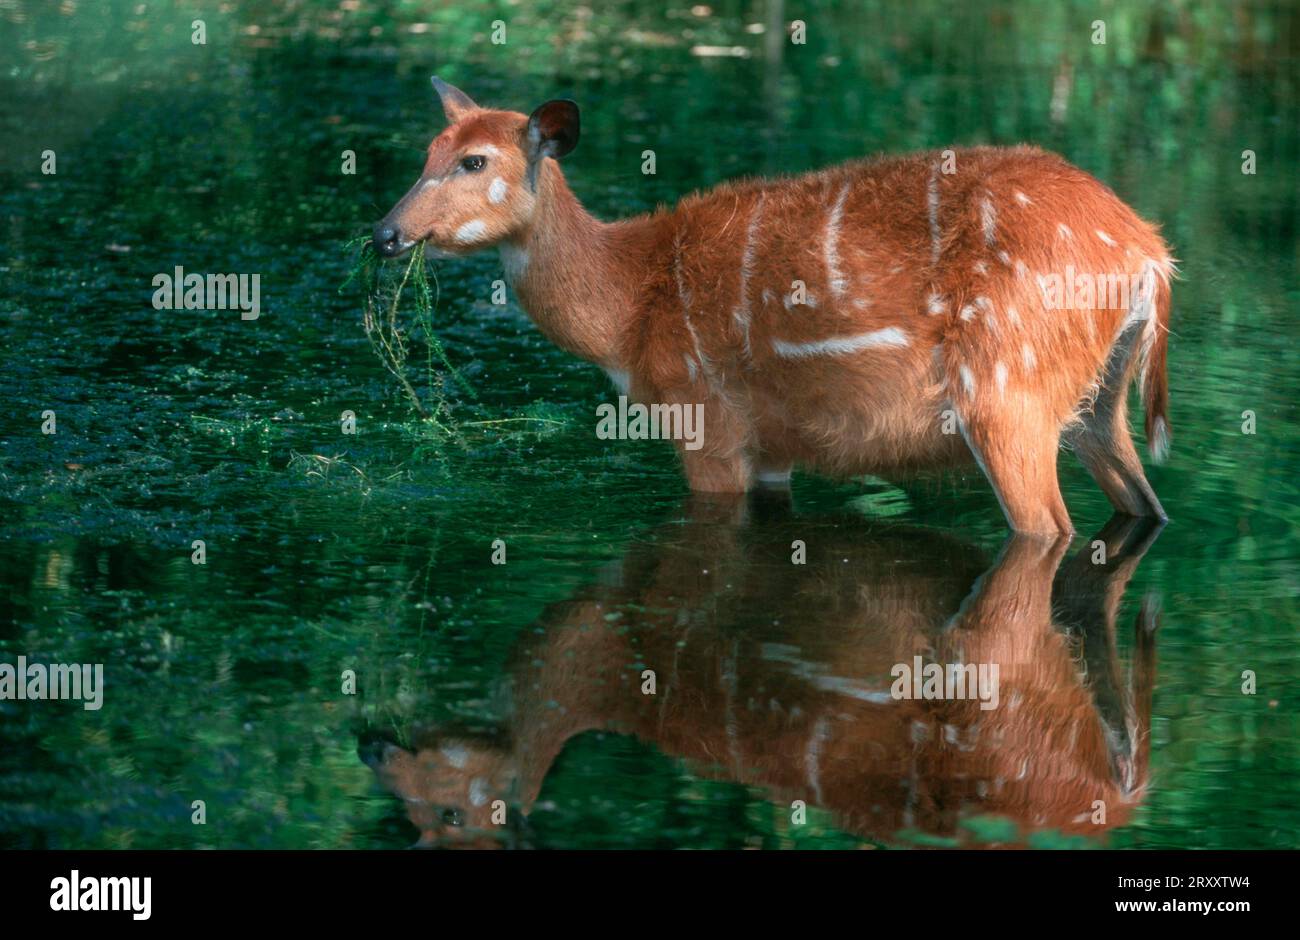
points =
(373, 552)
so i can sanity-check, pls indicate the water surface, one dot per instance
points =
(372, 552)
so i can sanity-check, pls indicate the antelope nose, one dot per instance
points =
(387, 238)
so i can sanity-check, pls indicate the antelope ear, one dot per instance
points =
(552, 129)
(455, 103)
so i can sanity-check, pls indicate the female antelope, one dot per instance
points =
(876, 317)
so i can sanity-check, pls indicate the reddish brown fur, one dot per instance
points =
(689, 304)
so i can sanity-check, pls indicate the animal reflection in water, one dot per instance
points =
(778, 675)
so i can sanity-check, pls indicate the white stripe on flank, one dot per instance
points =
(841, 345)
(932, 196)
(682, 291)
(742, 313)
(813, 756)
(685, 294)
(831, 248)
(988, 219)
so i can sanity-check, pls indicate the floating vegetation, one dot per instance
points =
(391, 291)
(386, 291)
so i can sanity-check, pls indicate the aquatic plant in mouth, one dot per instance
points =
(385, 289)
(388, 291)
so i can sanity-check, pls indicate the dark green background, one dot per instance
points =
(175, 425)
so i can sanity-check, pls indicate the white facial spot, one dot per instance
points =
(487, 150)
(431, 184)
(497, 191)
(471, 231)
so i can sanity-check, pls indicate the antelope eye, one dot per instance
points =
(473, 163)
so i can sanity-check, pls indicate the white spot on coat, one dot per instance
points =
(936, 304)
(1106, 238)
(1023, 199)
(967, 379)
(1027, 356)
(1064, 231)
(1000, 376)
